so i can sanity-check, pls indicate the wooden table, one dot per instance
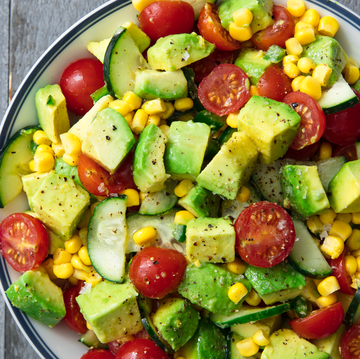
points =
(28, 28)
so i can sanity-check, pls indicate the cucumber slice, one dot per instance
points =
(106, 238)
(354, 307)
(14, 163)
(306, 257)
(91, 340)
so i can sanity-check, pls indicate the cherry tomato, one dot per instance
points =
(163, 18)
(211, 29)
(313, 121)
(304, 154)
(343, 128)
(265, 234)
(350, 343)
(79, 80)
(348, 151)
(277, 33)
(320, 323)
(140, 349)
(115, 345)
(274, 83)
(98, 354)
(225, 90)
(156, 272)
(24, 241)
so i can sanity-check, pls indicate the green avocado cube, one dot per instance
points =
(38, 297)
(111, 309)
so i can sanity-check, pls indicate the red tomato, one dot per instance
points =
(24, 241)
(140, 349)
(304, 154)
(320, 323)
(225, 90)
(265, 234)
(115, 345)
(350, 343)
(277, 33)
(348, 151)
(211, 29)
(343, 128)
(163, 18)
(156, 272)
(313, 121)
(98, 354)
(274, 83)
(79, 80)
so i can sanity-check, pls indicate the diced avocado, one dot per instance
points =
(176, 320)
(98, 48)
(303, 191)
(356, 85)
(252, 62)
(210, 240)
(173, 52)
(270, 124)
(185, 150)
(168, 85)
(275, 284)
(60, 204)
(207, 285)
(52, 112)
(201, 202)
(141, 39)
(275, 54)
(326, 50)
(261, 10)
(111, 309)
(328, 168)
(38, 297)
(198, 5)
(108, 139)
(285, 341)
(344, 188)
(231, 167)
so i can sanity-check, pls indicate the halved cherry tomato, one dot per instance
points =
(274, 83)
(156, 272)
(115, 345)
(265, 234)
(24, 241)
(163, 18)
(225, 90)
(277, 33)
(98, 354)
(348, 151)
(320, 323)
(350, 343)
(211, 29)
(313, 121)
(304, 154)
(140, 349)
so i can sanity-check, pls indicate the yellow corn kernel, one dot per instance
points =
(315, 225)
(302, 25)
(72, 280)
(139, 121)
(133, 100)
(247, 347)
(232, 120)
(71, 143)
(80, 274)
(133, 197)
(43, 162)
(129, 117)
(84, 255)
(260, 338)
(93, 278)
(332, 246)
(305, 35)
(353, 242)
(351, 74)
(165, 129)
(325, 151)
(311, 16)
(143, 195)
(240, 33)
(296, 7)
(345, 217)
(183, 188)
(328, 26)
(290, 59)
(83, 235)
(78, 264)
(89, 326)
(291, 70)
(61, 256)
(340, 229)
(243, 195)
(145, 235)
(350, 264)
(32, 166)
(183, 104)
(63, 271)
(40, 138)
(48, 266)
(295, 84)
(305, 65)
(328, 217)
(169, 110)
(242, 17)
(154, 107)
(153, 119)
(328, 286)
(311, 87)
(253, 92)
(73, 244)
(183, 217)
(44, 148)
(121, 106)
(358, 263)
(352, 61)
(58, 149)
(323, 302)
(293, 47)
(253, 298)
(140, 5)
(71, 160)
(322, 73)
(238, 266)
(355, 217)
(237, 292)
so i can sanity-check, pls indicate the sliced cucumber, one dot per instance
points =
(106, 238)
(306, 257)
(91, 340)
(14, 163)
(354, 308)
(328, 168)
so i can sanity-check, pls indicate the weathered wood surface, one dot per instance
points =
(28, 27)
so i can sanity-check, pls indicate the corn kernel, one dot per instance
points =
(87, 324)
(305, 65)
(165, 129)
(71, 143)
(253, 298)
(311, 87)
(58, 149)
(332, 246)
(323, 302)
(121, 106)
(328, 26)
(48, 266)
(71, 160)
(139, 121)
(43, 162)
(145, 235)
(93, 278)
(129, 118)
(328, 286)
(350, 264)
(153, 119)
(61, 256)
(325, 151)
(290, 59)
(183, 188)
(293, 47)
(358, 263)
(84, 255)
(133, 198)
(322, 73)
(351, 74)
(183, 104)
(243, 195)
(44, 148)
(73, 244)
(40, 138)
(355, 217)
(353, 242)
(133, 100)
(352, 61)
(63, 271)
(78, 264)
(302, 25)
(83, 235)
(315, 225)
(253, 92)
(154, 107)
(340, 229)
(243, 17)
(32, 166)
(292, 71)
(140, 5)
(183, 217)
(345, 217)
(247, 347)
(311, 16)
(238, 266)
(240, 33)
(260, 338)
(295, 84)
(169, 110)
(232, 120)
(305, 36)
(237, 292)
(80, 274)
(296, 7)
(72, 280)
(328, 217)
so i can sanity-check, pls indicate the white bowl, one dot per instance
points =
(60, 342)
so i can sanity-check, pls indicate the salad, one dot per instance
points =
(166, 219)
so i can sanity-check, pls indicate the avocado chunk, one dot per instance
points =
(52, 112)
(275, 54)
(261, 10)
(210, 240)
(176, 320)
(207, 285)
(285, 341)
(60, 204)
(111, 309)
(38, 297)
(231, 167)
(303, 191)
(270, 124)
(173, 52)
(275, 284)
